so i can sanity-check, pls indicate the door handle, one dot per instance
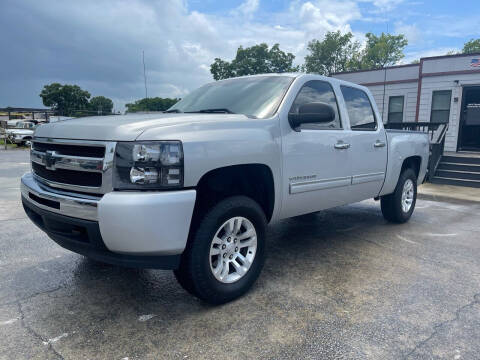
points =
(341, 145)
(379, 144)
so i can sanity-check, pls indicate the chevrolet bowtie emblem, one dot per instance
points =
(49, 159)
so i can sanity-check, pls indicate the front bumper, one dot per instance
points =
(140, 229)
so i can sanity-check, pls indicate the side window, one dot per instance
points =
(359, 109)
(317, 91)
(395, 109)
(441, 106)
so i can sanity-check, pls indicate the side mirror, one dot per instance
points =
(314, 112)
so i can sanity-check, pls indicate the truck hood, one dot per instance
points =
(124, 127)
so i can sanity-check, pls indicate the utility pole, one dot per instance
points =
(384, 77)
(144, 74)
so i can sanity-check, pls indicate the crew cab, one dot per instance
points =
(193, 189)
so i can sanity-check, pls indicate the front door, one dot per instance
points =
(469, 129)
(316, 159)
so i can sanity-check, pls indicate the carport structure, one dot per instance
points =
(12, 112)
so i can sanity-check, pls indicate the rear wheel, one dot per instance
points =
(227, 252)
(398, 207)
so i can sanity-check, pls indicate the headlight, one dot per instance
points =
(148, 165)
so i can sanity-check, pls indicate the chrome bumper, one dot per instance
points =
(132, 223)
(81, 208)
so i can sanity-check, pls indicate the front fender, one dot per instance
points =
(213, 145)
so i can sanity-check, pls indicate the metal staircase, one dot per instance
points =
(461, 169)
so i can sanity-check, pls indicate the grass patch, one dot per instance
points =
(9, 146)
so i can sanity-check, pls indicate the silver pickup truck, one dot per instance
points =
(193, 189)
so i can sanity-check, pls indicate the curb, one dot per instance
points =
(449, 199)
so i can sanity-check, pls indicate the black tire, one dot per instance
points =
(392, 204)
(195, 274)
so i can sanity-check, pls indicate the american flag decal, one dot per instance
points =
(475, 63)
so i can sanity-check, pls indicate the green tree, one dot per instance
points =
(101, 104)
(383, 50)
(221, 69)
(151, 104)
(65, 99)
(257, 59)
(335, 53)
(472, 46)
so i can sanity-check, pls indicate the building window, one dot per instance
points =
(359, 109)
(395, 109)
(441, 106)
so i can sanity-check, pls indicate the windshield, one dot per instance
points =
(256, 96)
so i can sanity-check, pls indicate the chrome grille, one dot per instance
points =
(73, 165)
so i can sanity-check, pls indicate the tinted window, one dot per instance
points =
(359, 109)
(441, 106)
(317, 91)
(395, 109)
(256, 96)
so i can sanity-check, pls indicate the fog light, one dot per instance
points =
(143, 176)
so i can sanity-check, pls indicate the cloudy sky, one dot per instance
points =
(98, 44)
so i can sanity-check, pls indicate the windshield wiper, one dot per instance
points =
(172, 111)
(211, 111)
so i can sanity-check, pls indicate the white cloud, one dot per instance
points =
(386, 5)
(98, 44)
(324, 15)
(248, 8)
(383, 6)
(416, 55)
(411, 32)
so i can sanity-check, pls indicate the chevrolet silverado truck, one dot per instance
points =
(193, 189)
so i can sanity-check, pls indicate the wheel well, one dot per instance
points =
(252, 180)
(412, 162)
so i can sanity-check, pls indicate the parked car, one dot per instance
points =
(193, 189)
(22, 133)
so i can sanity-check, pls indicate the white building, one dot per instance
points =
(437, 89)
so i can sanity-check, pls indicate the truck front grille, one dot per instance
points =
(73, 165)
(73, 150)
(69, 177)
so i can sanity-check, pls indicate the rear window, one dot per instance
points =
(359, 108)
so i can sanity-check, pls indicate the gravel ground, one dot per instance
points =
(339, 284)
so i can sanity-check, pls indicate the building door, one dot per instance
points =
(469, 129)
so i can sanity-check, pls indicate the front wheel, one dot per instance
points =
(398, 207)
(227, 252)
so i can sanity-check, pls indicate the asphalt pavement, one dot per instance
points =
(338, 284)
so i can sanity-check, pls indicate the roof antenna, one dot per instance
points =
(144, 74)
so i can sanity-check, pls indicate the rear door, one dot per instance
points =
(368, 144)
(316, 159)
